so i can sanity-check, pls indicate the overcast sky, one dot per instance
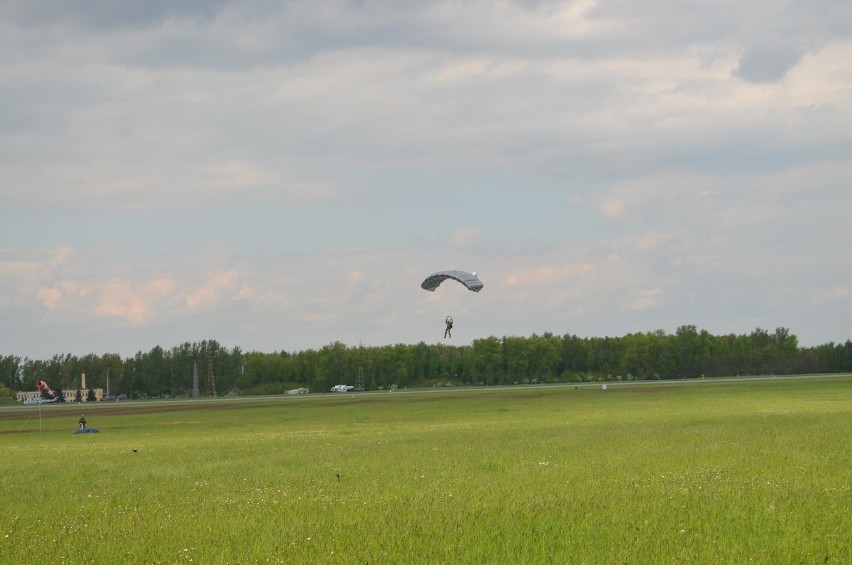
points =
(282, 175)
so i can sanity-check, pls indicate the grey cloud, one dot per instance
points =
(94, 15)
(227, 34)
(417, 118)
(768, 61)
(770, 36)
(779, 35)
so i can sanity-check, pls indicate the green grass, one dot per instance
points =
(709, 473)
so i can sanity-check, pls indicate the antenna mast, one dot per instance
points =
(359, 381)
(211, 383)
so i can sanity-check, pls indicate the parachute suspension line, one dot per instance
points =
(468, 280)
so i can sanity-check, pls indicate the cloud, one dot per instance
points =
(646, 299)
(20, 269)
(612, 207)
(355, 278)
(466, 237)
(832, 295)
(546, 275)
(295, 170)
(136, 304)
(40, 275)
(270, 300)
(51, 298)
(778, 38)
(301, 132)
(218, 289)
(768, 61)
(98, 14)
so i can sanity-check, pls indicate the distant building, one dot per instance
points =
(70, 395)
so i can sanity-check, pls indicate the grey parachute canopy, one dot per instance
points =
(469, 280)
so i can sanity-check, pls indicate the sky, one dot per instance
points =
(283, 175)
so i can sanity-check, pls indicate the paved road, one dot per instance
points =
(437, 390)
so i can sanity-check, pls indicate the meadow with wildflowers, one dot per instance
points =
(707, 472)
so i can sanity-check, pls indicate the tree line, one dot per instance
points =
(687, 353)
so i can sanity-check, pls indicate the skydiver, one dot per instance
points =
(82, 422)
(448, 332)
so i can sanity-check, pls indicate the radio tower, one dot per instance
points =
(359, 381)
(211, 383)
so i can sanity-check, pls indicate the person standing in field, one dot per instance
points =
(82, 422)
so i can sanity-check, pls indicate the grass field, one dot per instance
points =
(731, 472)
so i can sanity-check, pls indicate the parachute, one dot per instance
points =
(469, 280)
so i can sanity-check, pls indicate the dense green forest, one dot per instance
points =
(688, 353)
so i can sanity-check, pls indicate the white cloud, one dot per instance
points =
(646, 299)
(612, 207)
(218, 289)
(546, 275)
(51, 297)
(355, 278)
(832, 295)
(136, 304)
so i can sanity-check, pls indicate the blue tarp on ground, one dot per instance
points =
(87, 431)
